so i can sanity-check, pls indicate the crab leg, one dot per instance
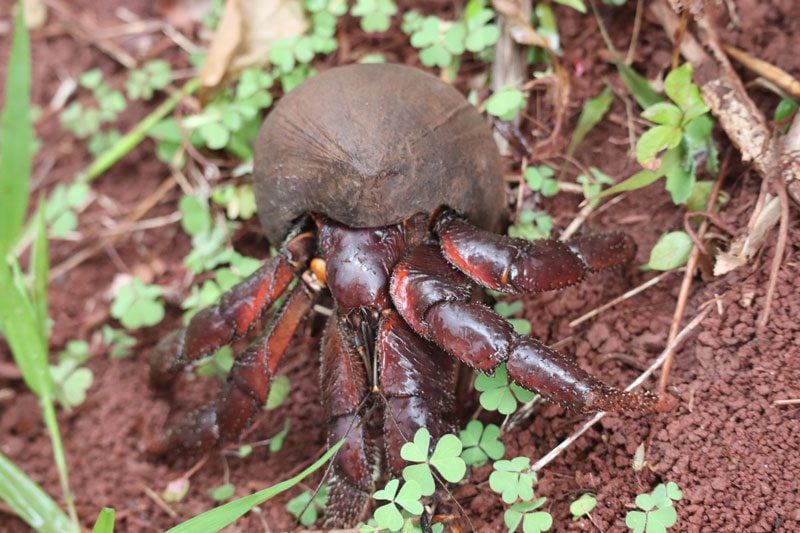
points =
(434, 300)
(231, 319)
(344, 388)
(247, 387)
(519, 266)
(418, 381)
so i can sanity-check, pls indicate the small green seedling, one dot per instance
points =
(540, 179)
(278, 392)
(657, 512)
(532, 521)
(276, 442)
(506, 309)
(239, 202)
(584, 505)
(532, 225)
(498, 394)
(149, 78)
(218, 365)
(446, 458)
(592, 184)
(222, 493)
(481, 32)
(513, 479)
(671, 251)
(481, 443)
(307, 507)
(439, 41)
(62, 205)
(137, 305)
(375, 15)
(506, 103)
(785, 109)
(388, 516)
(678, 143)
(119, 344)
(70, 379)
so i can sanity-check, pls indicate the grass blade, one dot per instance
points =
(639, 87)
(29, 501)
(40, 266)
(16, 135)
(225, 515)
(21, 330)
(131, 140)
(105, 521)
(592, 113)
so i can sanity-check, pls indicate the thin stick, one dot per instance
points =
(777, 259)
(637, 26)
(686, 284)
(792, 401)
(88, 252)
(160, 503)
(633, 292)
(682, 336)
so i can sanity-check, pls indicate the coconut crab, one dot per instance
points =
(384, 185)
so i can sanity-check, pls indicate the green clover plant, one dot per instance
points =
(375, 15)
(507, 309)
(583, 505)
(307, 507)
(513, 480)
(446, 458)
(525, 513)
(657, 513)
(70, 379)
(540, 179)
(481, 443)
(149, 78)
(506, 103)
(388, 516)
(498, 394)
(532, 225)
(137, 305)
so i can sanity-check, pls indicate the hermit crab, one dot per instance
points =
(385, 187)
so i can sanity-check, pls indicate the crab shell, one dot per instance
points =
(371, 145)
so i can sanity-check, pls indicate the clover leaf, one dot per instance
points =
(497, 394)
(389, 516)
(583, 505)
(446, 458)
(480, 34)
(376, 15)
(532, 522)
(540, 179)
(152, 76)
(506, 103)
(138, 305)
(437, 40)
(513, 480)
(481, 443)
(307, 506)
(657, 513)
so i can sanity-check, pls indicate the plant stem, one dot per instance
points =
(132, 139)
(49, 415)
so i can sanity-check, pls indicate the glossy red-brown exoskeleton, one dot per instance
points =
(386, 174)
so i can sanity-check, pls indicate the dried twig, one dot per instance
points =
(682, 336)
(633, 292)
(686, 284)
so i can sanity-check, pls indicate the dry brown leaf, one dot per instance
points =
(245, 35)
(744, 248)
